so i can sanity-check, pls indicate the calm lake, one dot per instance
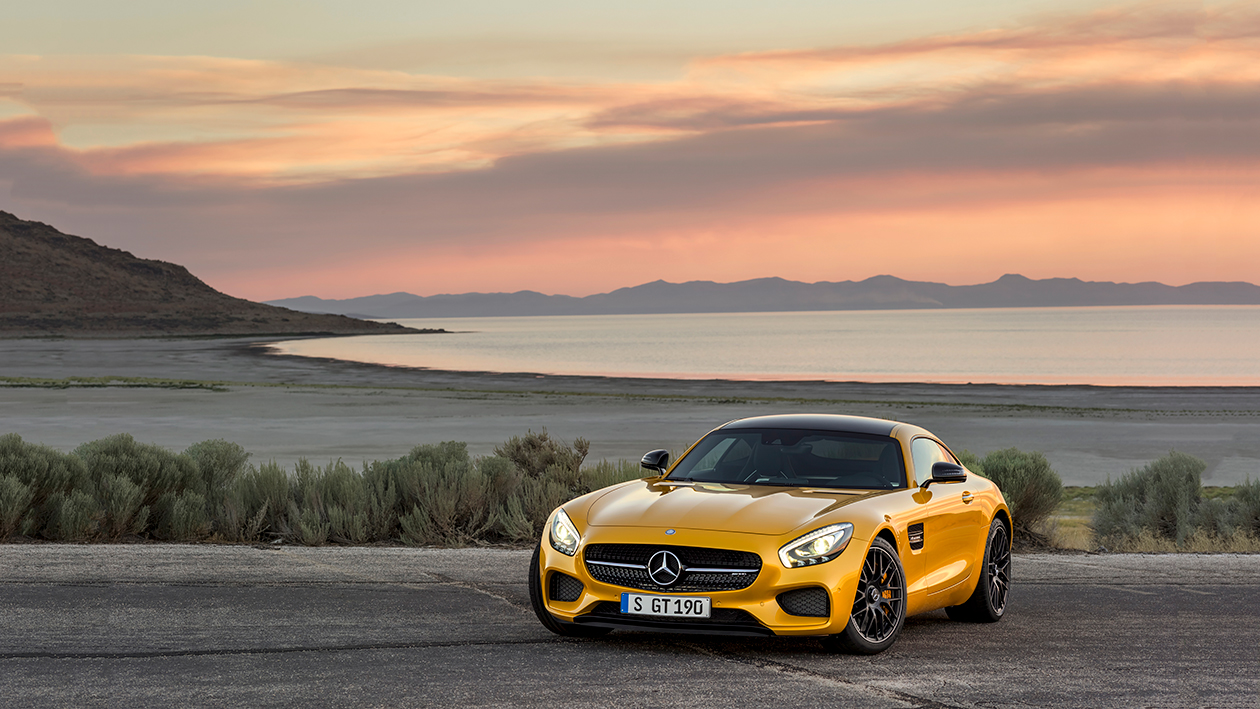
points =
(1150, 345)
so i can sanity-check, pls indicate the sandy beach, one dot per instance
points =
(283, 407)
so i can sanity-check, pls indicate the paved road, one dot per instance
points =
(169, 625)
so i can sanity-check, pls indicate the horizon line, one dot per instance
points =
(767, 278)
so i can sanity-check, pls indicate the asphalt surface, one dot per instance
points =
(172, 625)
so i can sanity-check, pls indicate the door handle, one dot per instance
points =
(967, 498)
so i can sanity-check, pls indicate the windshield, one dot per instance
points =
(794, 458)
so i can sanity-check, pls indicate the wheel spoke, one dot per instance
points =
(999, 568)
(876, 618)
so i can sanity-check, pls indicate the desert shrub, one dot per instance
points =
(971, 462)
(310, 527)
(416, 530)
(604, 473)
(343, 495)
(1031, 488)
(189, 520)
(1216, 518)
(539, 498)
(507, 520)
(441, 496)
(15, 504)
(435, 495)
(265, 491)
(155, 470)
(512, 524)
(347, 526)
(382, 505)
(219, 462)
(121, 504)
(240, 520)
(46, 472)
(1160, 500)
(1247, 499)
(256, 502)
(538, 455)
(77, 517)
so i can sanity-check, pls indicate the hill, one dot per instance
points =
(56, 284)
(779, 295)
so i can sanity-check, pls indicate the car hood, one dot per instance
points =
(755, 509)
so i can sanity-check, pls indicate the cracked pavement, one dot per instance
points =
(204, 625)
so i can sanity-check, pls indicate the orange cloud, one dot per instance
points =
(1120, 145)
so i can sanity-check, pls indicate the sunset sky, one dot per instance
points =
(342, 149)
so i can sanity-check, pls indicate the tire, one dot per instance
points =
(988, 602)
(879, 606)
(549, 621)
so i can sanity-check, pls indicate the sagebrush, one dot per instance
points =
(438, 494)
(1162, 503)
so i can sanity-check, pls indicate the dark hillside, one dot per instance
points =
(56, 284)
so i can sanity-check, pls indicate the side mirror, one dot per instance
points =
(944, 472)
(657, 460)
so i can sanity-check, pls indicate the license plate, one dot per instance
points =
(677, 606)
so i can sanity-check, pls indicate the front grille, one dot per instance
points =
(739, 568)
(564, 588)
(811, 602)
(730, 621)
(691, 556)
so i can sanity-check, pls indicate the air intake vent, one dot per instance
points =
(811, 602)
(564, 588)
(915, 534)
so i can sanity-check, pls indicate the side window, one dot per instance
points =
(925, 452)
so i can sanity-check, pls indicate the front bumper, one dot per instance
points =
(754, 610)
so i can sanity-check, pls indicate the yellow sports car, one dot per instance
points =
(833, 526)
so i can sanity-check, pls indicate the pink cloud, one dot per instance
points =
(1121, 145)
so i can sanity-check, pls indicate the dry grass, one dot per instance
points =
(1199, 542)
(1071, 527)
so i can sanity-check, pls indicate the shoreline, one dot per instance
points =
(260, 345)
(282, 407)
(1102, 397)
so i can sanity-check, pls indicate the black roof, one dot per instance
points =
(819, 422)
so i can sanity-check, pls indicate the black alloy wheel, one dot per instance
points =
(988, 602)
(537, 598)
(879, 606)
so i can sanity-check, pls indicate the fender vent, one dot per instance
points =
(915, 533)
(564, 588)
(811, 602)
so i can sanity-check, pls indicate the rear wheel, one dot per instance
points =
(879, 607)
(537, 599)
(988, 602)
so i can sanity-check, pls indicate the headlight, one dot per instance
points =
(817, 547)
(564, 536)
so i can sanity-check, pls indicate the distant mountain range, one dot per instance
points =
(56, 284)
(779, 295)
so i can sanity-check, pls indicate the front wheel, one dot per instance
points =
(988, 602)
(879, 607)
(549, 621)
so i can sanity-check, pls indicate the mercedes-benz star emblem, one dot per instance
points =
(664, 568)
